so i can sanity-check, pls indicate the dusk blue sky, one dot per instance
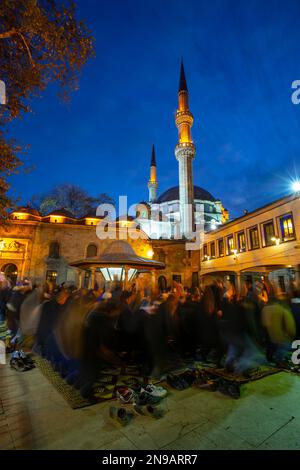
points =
(240, 57)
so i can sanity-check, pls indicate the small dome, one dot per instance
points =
(172, 194)
(62, 212)
(92, 215)
(119, 247)
(28, 210)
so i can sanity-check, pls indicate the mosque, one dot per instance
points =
(183, 209)
(61, 248)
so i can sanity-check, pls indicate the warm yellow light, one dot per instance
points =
(57, 219)
(21, 215)
(150, 253)
(91, 221)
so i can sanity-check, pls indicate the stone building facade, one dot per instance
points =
(42, 248)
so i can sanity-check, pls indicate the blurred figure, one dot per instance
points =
(280, 327)
(295, 308)
(5, 289)
(169, 312)
(208, 331)
(128, 321)
(16, 298)
(69, 329)
(232, 326)
(50, 312)
(30, 313)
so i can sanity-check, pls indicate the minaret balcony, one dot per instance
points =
(185, 149)
(184, 117)
(152, 184)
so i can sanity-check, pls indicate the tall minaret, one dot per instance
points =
(152, 183)
(185, 152)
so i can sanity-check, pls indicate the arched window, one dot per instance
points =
(162, 283)
(91, 251)
(10, 271)
(54, 250)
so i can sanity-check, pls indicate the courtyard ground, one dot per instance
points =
(33, 415)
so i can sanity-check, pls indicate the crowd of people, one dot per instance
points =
(79, 330)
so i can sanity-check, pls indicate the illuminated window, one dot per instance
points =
(213, 250)
(91, 251)
(230, 245)
(269, 233)
(205, 252)
(221, 247)
(241, 241)
(287, 227)
(254, 238)
(51, 276)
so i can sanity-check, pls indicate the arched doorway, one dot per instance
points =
(10, 271)
(162, 283)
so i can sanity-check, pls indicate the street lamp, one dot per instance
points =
(275, 240)
(296, 186)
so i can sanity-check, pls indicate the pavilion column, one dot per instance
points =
(153, 282)
(126, 278)
(92, 278)
(80, 279)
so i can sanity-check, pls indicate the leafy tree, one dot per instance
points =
(41, 42)
(70, 197)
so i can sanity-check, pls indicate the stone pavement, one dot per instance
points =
(33, 415)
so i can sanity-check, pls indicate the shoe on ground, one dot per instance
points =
(155, 390)
(144, 398)
(156, 412)
(177, 382)
(18, 364)
(120, 415)
(125, 395)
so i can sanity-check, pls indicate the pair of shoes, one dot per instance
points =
(154, 390)
(156, 412)
(121, 415)
(21, 361)
(145, 398)
(229, 388)
(189, 377)
(177, 382)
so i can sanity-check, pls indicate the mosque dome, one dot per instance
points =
(172, 194)
(28, 210)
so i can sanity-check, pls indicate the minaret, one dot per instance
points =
(152, 184)
(184, 153)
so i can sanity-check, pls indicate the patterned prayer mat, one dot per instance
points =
(104, 388)
(254, 374)
(70, 394)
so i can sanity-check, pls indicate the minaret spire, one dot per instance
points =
(185, 152)
(182, 80)
(153, 159)
(152, 183)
